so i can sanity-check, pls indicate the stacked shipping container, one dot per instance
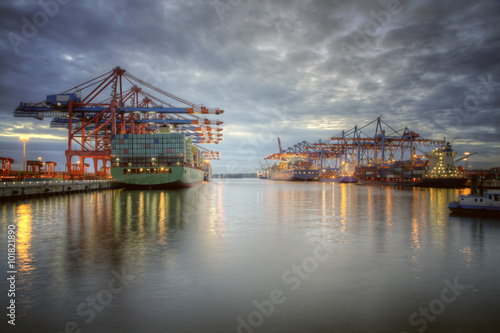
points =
(400, 170)
(150, 150)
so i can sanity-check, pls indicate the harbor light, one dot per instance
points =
(24, 138)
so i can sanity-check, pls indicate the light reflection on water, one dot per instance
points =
(201, 257)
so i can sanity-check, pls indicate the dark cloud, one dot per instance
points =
(301, 70)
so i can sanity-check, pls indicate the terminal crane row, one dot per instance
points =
(357, 147)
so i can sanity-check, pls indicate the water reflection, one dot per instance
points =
(25, 263)
(210, 252)
(343, 203)
(478, 233)
(416, 247)
(141, 215)
(216, 212)
(24, 256)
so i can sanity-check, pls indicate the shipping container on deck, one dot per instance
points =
(145, 150)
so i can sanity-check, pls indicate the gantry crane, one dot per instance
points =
(356, 147)
(118, 102)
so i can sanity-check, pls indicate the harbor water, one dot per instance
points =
(248, 255)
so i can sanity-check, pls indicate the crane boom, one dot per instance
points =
(464, 157)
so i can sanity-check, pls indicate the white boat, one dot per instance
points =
(486, 203)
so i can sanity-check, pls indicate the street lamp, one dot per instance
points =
(24, 138)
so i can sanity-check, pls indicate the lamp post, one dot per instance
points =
(467, 160)
(24, 138)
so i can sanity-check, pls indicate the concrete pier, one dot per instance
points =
(36, 188)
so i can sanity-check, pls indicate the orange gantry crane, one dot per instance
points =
(118, 102)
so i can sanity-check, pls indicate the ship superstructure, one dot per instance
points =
(442, 170)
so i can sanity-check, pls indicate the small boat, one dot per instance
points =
(486, 204)
(261, 175)
(263, 172)
(208, 172)
(480, 201)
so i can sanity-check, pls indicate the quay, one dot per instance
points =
(15, 190)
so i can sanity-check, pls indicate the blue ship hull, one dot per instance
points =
(342, 179)
(473, 209)
(295, 175)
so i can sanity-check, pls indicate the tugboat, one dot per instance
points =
(479, 202)
(208, 171)
(262, 173)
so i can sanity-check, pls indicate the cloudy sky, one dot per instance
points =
(298, 70)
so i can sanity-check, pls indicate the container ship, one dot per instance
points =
(438, 170)
(162, 160)
(291, 167)
(344, 174)
(294, 169)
